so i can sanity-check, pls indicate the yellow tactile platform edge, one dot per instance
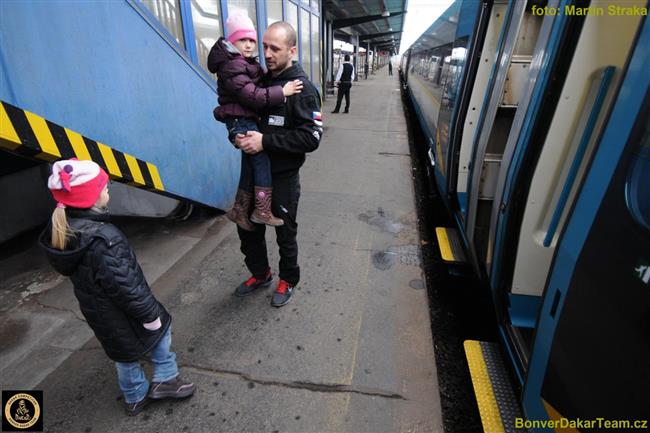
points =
(487, 403)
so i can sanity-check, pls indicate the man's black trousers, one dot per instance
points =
(286, 193)
(344, 89)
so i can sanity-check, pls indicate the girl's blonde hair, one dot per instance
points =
(60, 228)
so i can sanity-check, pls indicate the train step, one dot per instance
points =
(497, 400)
(451, 249)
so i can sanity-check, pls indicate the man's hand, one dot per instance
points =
(251, 143)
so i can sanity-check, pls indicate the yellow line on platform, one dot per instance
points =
(487, 402)
(445, 247)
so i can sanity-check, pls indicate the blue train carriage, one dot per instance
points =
(124, 83)
(546, 175)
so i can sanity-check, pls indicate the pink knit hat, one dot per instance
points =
(76, 183)
(240, 26)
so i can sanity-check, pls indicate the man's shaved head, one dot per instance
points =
(291, 37)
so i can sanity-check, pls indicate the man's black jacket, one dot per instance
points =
(113, 294)
(293, 128)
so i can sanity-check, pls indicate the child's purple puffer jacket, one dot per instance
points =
(237, 83)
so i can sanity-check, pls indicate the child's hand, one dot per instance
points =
(292, 87)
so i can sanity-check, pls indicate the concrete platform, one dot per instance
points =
(352, 352)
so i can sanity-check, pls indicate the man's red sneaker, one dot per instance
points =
(253, 283)
(282, 294)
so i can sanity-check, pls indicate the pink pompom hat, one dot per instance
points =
(240, 26)
(76, 183)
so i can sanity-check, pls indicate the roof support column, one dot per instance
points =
(355, 42)
(367, 55)
(329, 53)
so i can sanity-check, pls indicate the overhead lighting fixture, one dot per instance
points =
(385, 14)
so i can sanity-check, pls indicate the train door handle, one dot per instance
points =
(605, 80)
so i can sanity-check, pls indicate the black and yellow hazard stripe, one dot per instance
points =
(27, 134)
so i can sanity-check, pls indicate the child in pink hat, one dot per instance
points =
(113, 294)
(240, 97)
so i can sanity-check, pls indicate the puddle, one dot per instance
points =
(384, 260)
(381, 221)
(406, 254)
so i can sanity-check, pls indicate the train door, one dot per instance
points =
(517, 41)
(520, 266)
(591, 348)
(465, 134)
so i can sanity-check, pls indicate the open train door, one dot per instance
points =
(592, 343)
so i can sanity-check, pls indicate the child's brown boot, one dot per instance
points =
(239, 212)
(262, 213)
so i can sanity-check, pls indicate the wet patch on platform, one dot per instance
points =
(406, 254)
(380, 220)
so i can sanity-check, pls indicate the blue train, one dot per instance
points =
(124, 83)
(537, 124)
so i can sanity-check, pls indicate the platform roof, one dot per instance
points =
(379, 22)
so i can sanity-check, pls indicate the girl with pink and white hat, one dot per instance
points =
(113, 294)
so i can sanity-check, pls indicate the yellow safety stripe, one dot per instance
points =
(44, 137)
(556, 416)
(155, 176)
(135, 169)
(30, 135)
(109, 158)
(487, 402)
(445, 247)
(7, 131)
(78, 145)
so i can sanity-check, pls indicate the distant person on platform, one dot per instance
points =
(390, 68)
(344, 78)
(287, 133)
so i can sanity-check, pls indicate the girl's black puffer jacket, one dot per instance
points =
(113, 294)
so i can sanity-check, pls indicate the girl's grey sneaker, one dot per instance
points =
(175, 388)
(135, 408)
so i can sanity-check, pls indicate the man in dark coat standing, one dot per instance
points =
(344, 77)
(287, 132)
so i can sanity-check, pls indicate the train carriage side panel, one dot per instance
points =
(107, 71)
(604, 41)
(591, 348)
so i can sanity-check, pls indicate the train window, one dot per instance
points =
(637, 191)
(304, 41)
(315, 48)
(292, 18)
(247, 6)
(273, 11)
(206, 18)
(169, 14)
(314, 5)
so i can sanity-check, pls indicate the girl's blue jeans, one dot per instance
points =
(134, 384)
(255, 169)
